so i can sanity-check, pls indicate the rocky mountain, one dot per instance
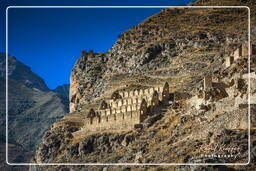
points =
(181, 47)
(19, 72)
(165, 39)
(32, 107)
(63, 90)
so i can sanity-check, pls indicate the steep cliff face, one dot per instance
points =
(180, 46)
(86, 80)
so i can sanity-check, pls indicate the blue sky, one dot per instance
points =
(50, 40)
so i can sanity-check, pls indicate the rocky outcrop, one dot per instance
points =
(158, 43)
(86, 80)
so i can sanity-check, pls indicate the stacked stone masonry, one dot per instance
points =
(241, 51)
(126, 109)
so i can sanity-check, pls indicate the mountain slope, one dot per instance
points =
(180, 46)
(22, 73)
(32, 107)
(63, 90)
(191, 39)
(16, 153)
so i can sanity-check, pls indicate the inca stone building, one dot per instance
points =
(126, 109)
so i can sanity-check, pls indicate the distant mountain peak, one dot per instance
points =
(63, 90)
(21, 72)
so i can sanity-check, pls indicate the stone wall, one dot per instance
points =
(207, 82)
(238, 53)
(229, 60)
(114, 121)
(125, 109)
(235, 104)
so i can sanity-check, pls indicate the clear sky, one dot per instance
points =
(50, 40)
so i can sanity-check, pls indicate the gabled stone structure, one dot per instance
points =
(103, 105)
(229, 60)
(165, 93)
(126, 109)
(241, 51)
(238, 53)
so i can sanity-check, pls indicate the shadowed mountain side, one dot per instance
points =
(16, 154)
(32, 107)
(22, 73)
(63, 90)
(30, 112)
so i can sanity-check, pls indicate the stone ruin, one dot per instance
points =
(207, 82)
(241, 51)
(127, 109)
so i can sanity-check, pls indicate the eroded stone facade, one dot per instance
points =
(241, 51)
(126, 109)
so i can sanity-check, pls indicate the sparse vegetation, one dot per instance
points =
(179, 46)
